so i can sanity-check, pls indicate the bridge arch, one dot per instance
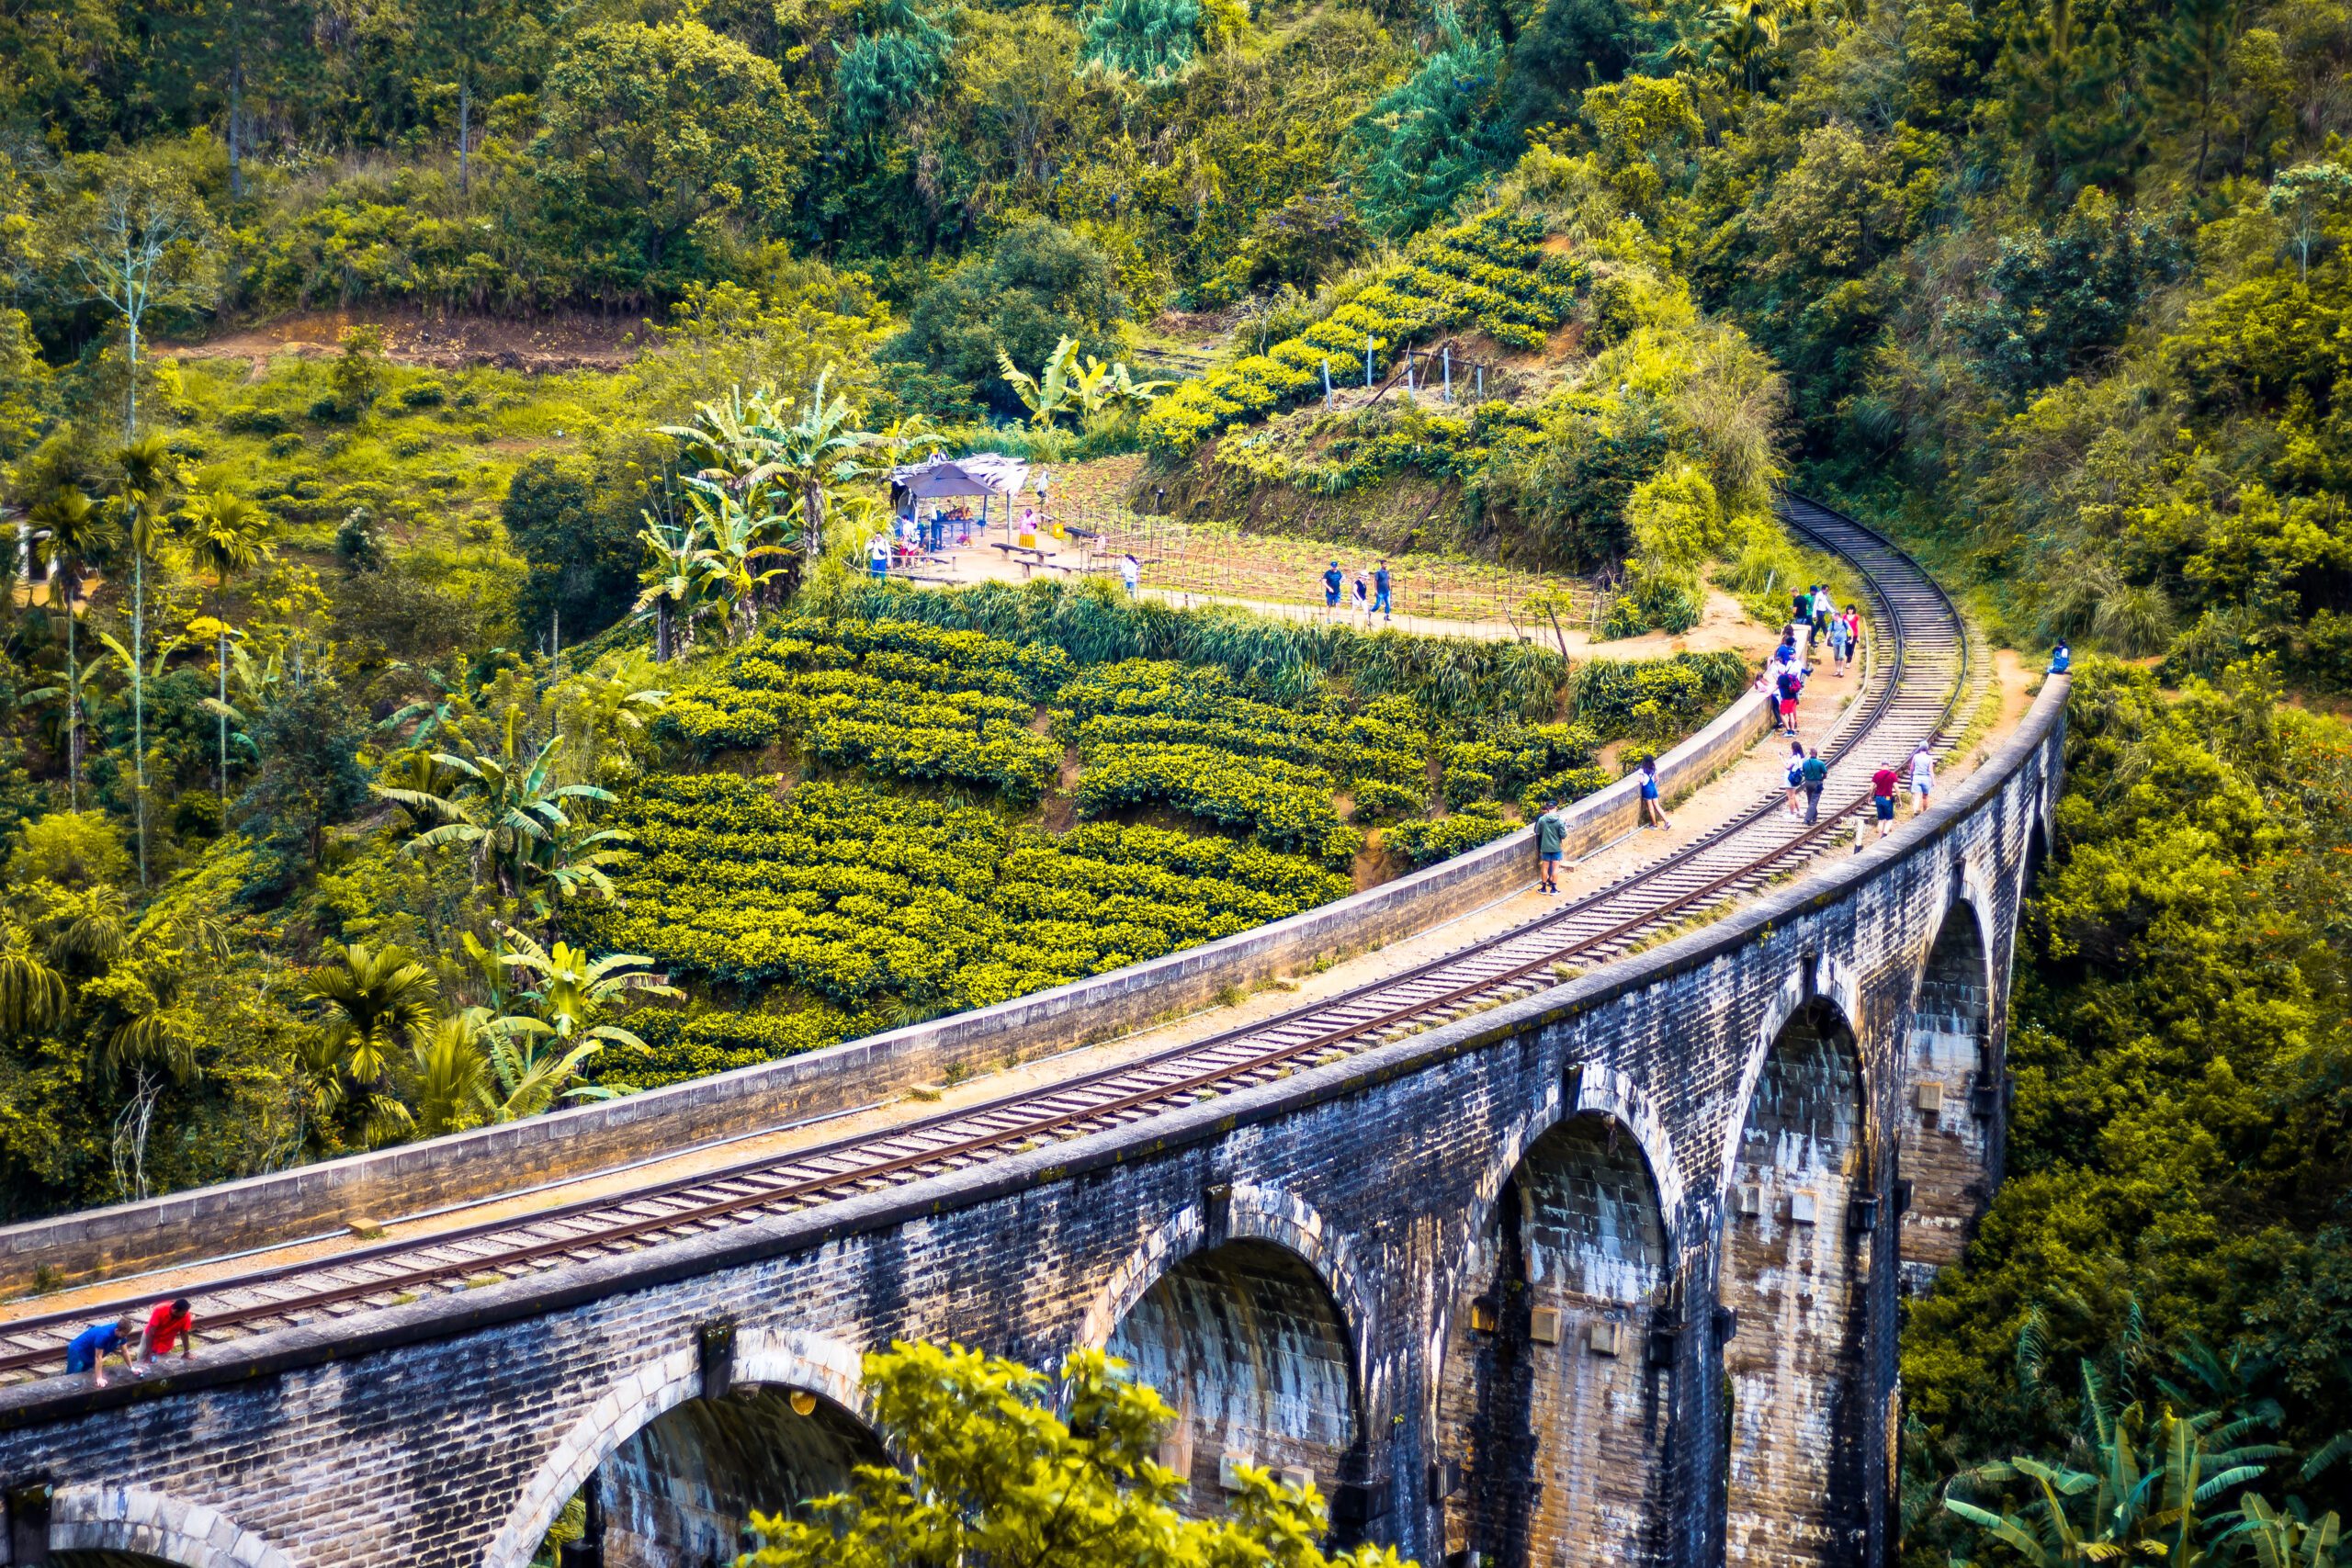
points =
(1552, 1407)
(98, 1526)
(1792, 1269)
(639, 1404)
(1244, 1313)
(1949, 1119)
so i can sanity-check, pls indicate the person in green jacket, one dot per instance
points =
(1548, 833)
(1816, 773)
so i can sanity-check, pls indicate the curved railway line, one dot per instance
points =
(1917, 677)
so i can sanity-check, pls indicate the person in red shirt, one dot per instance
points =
(1882, 798)
(170, 1323)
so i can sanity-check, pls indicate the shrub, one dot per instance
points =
(1427, 842)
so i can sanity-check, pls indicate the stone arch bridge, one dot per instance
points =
(1609, 1274)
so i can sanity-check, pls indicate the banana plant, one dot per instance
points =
(1128, 395)
(1047, 395)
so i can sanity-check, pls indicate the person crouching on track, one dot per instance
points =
(89, 1350)
(170, 1323)
(1549, 833)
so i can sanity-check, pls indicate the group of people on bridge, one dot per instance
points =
(172, 1326)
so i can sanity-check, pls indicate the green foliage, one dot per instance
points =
(75, 849)
(2176, 1041)
(859, 898)
(1037, 285)
(1427, 842)
(1008, 1466)
(1418, 145)
(654, 140)
(1491, 272)
(1651, 699)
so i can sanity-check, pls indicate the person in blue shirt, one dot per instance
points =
(1380, 590)
(89, 1350)
(1332, 579)
(2060, 657)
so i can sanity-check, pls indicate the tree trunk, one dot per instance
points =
(223, 779)
(465, 120)
(137, 686)
(72, 705)
(236, 114)
(813, 545)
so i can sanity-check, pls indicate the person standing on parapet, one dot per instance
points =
(1816, 774)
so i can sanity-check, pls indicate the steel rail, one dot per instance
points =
(773, 1187)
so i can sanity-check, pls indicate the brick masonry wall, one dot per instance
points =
(449, 1431)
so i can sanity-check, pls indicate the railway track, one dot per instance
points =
(1918, 676)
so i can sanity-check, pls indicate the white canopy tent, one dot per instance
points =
(983, 474)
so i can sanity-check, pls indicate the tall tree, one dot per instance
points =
(2191, 68)
(224, 534)
(147, 474)
(70, 532)
(144, 244)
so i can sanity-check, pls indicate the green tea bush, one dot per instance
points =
(843, 897)
(1657, 697)
(1491, 272)
(1427, 842)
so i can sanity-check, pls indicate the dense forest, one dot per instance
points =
(2056, 290)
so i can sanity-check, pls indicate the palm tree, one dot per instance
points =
(1128, 395)
(375, 999)
(71, 533)
(32, 994)
(224, 534)
(574, 991)
(504, 808)
(146, 464)
(446, 1080)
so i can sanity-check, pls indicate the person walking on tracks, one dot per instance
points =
(1796, 779)
(1923, 778)
(1653, 813)
(1816, 774)
(1841, 645)
(1549, 833)
(1882, 785)
(88, 1351)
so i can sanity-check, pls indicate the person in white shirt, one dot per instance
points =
(1923, 778)
(1130, 573)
